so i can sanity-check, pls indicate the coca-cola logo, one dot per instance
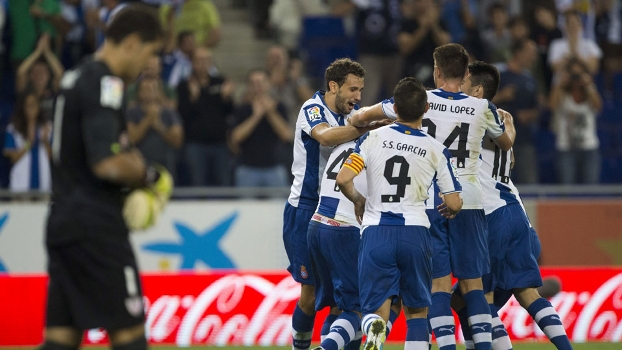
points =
(586, 316)
(235, 309)
(249, 309)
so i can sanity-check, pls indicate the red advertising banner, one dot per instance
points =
(591, 232)
(250, 308)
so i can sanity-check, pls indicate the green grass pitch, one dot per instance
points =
(517, 346)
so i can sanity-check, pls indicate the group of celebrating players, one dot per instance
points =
(390, 200)
(381, 213)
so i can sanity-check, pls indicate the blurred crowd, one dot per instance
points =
(560, 63)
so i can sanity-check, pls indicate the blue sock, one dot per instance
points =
(342, 331)
(302, 329)
(478, 313)
(442, 321)
(549, 322)
(392, 317)
(466, 329)
(328, 322)
(417, 336)
(355, 344)
(500, 338)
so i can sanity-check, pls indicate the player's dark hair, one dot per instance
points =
(410, 99)
(135, 19)
(19, 120)
(340, 68)
(182, 35)
(452, 59)
(486, 75)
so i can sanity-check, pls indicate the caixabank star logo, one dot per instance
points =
(198, 245)
(3, 220)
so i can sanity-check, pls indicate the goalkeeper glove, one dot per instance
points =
(143, 206)
(160, 181)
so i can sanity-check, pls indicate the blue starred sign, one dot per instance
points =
(3, 219)
(198, 246)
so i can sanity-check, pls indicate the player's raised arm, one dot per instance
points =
(332, 136)
(365, 115)
(497, 130)
(510, 131)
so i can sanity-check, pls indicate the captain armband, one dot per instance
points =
(355, 163)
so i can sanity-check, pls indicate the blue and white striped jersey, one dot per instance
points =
(401, 165)
(495, 176)
(333, 204)
(497, 186)
(309, 156)
(460, 122)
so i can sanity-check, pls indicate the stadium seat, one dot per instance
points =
(607, 142)
(599, 80)
(545, 147)
(616, 93)
(617, 84)
(611, 171)
(323, 40)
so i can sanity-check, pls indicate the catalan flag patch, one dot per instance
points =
(354, 162)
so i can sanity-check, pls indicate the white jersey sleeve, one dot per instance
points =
(387, 108)
(333, 204)
(309, 156)
(401, 163)
(497, 186)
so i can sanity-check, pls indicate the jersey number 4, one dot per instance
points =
(335, 166)
(461, 133)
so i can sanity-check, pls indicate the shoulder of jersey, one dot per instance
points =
(315, 99)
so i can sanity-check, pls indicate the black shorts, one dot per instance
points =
(94, 283)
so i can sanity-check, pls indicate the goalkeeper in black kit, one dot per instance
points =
(94, 279)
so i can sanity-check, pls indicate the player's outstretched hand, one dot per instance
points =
(379, 123)
(444, 210)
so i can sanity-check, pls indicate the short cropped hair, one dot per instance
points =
(135, 19)
(410, 99)
(340, 68)
(486, 75)
(452, 59)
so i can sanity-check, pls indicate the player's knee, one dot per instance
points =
(526, 296)
(442, 284)
(469, 284)
(51, 345)
(137, 344)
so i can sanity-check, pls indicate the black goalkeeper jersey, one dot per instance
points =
(88, 126)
